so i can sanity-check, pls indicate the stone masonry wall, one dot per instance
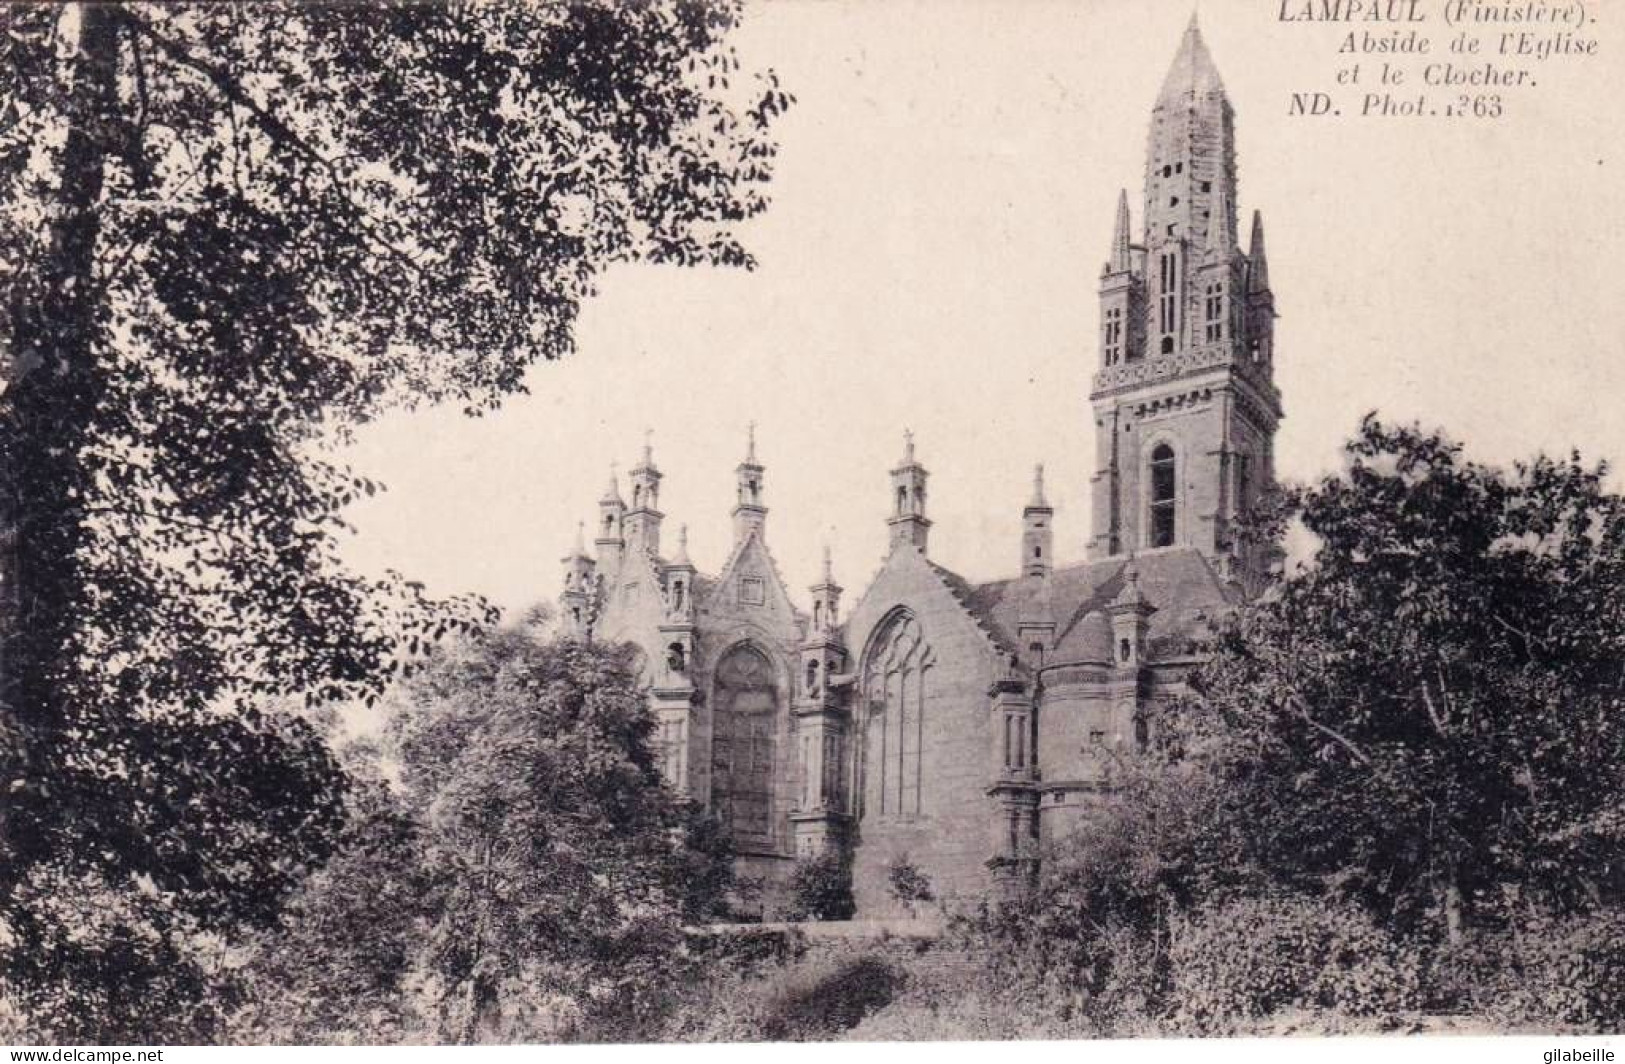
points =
(950, 838)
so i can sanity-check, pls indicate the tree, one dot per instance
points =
(339, 964)
(1427, 716)
(232, 233)
(568, 864)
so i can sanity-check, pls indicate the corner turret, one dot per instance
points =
(580, 585)
(909, 525)
(750, 512)
(643, 519)
(611, 542)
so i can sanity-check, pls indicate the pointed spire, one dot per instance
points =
(750, 514)
(1131, 596)
(1258, 267)
(826, 601)
(1121, 262)
(612, 493)
(908, 447)
(682, 560)
(579, 549)
(648, 449)
(1038, 501)
(1192, 73)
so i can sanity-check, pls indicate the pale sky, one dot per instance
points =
(943, 205)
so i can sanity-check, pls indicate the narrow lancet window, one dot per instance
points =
(1164, 496)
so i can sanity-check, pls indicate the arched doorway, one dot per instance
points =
(744, 729)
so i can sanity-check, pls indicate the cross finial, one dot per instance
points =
(750, 442)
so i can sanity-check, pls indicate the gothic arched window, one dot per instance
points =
(896, 683)
(743, 739)
(1164, 496)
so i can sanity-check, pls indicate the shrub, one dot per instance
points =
(964, 1007)
(907, 883)
(1565, 973)
(821, 887)
(815, 998)
(1247, 959)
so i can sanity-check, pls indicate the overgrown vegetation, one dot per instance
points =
(232, 233)
(1400, 790)
(531, 871)
(510, 866)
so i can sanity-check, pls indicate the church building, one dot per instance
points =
(952, 725)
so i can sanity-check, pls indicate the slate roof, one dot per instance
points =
(1179, 582)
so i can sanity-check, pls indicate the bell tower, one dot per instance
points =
(1184, 399)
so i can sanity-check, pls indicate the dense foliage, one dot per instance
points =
(821, 886)
(1403, 767)
(532, 858)
(1429, 717)
(1235, 962)
(232, 232)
